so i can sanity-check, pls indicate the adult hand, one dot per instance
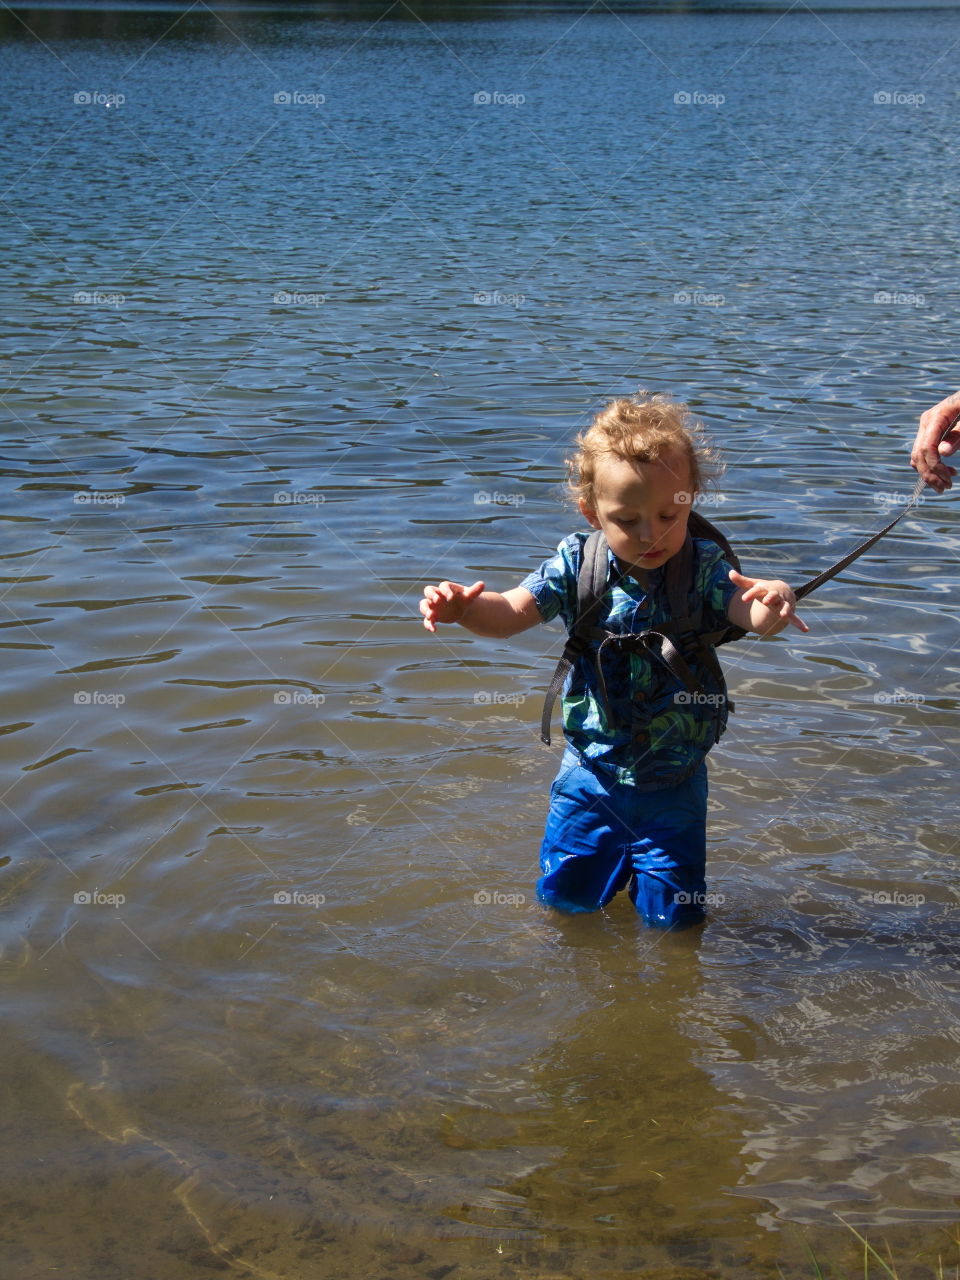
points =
(938, 436)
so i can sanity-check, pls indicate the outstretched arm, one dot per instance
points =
(938, 434)
(485, 613)
(763, 605)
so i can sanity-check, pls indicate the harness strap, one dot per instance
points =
(564, 667)
(655, 642)
(678, 580)
(592, 586)
(592, 578)
(834, 569)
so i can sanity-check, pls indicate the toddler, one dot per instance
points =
(628, 807)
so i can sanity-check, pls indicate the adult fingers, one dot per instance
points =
(937, 434)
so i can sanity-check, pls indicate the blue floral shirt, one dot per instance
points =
(658, 733)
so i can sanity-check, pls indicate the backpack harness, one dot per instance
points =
(679, 642)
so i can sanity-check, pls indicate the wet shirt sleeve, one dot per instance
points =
(716, 589)
(554, 585)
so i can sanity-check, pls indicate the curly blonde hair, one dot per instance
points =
(640, 428)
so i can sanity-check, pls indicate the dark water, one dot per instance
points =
(272, 365)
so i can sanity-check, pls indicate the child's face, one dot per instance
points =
(642, 508)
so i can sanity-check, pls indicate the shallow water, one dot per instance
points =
(278, 998)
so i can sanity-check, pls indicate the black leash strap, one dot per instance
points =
(834, 569)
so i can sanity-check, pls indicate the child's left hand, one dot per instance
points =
(775, 597)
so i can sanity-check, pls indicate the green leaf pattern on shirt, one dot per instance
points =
(656, 738)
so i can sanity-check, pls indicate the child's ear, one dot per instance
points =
(589, 514)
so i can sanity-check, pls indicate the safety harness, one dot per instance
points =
(678, 644)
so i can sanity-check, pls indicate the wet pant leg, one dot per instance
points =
(601, 836)
(669, 857)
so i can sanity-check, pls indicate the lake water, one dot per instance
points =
(302, 312)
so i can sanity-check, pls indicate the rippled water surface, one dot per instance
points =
(278, 998)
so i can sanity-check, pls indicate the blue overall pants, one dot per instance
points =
(603, 835)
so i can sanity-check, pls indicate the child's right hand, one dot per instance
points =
(447, 602)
